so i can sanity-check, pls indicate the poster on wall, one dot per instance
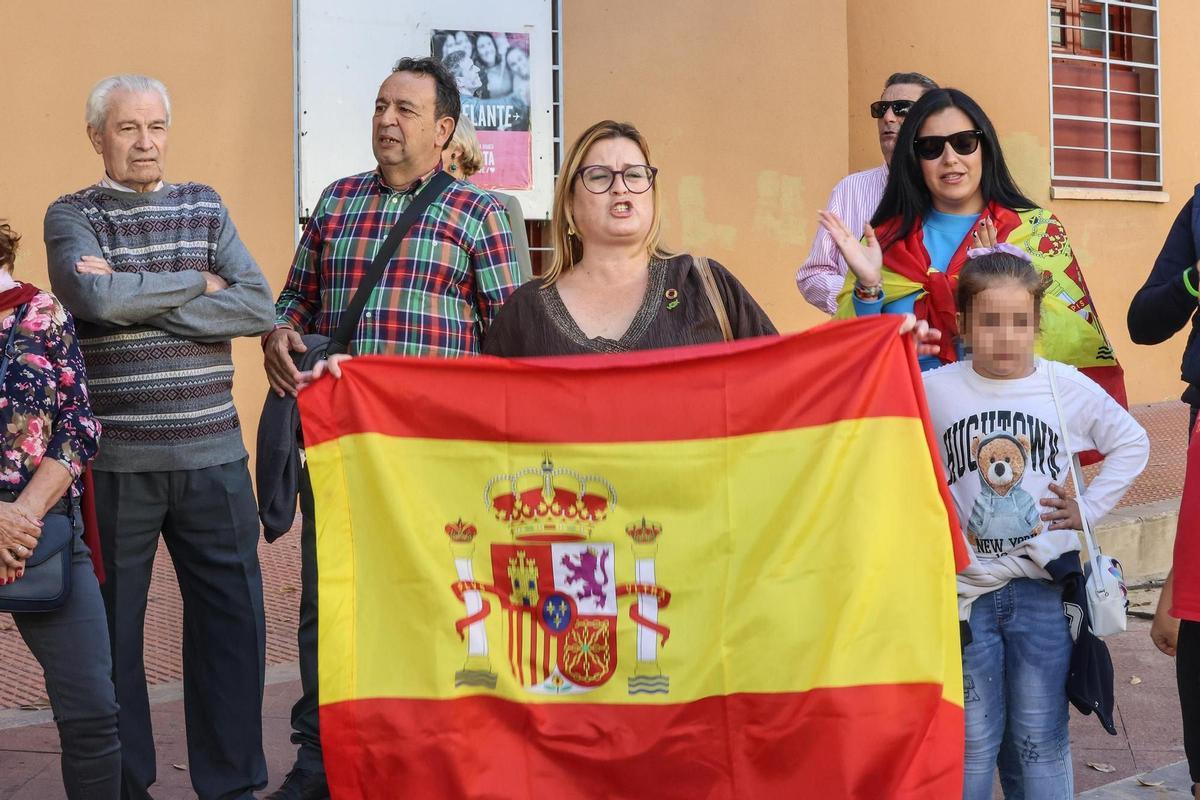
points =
(492, 72)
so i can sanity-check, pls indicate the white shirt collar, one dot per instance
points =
(109, 183)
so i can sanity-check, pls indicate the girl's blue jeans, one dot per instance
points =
(1015, 694)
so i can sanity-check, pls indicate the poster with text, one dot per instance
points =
(492, 72)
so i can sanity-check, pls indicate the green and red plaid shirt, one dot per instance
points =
(439, 294)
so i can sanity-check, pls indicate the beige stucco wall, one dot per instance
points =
(754, 111)
(228, 65)
(1000, 58)
(744, 105)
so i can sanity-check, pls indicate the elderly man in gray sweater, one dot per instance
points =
(159, 283)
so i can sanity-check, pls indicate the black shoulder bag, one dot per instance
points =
(47, 579)
(340, 341)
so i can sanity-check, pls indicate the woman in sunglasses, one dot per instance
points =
(950, 190)
(612, 285)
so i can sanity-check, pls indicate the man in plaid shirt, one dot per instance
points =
(437, 297)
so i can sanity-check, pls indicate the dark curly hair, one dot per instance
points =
(448, 103)
(9, 242)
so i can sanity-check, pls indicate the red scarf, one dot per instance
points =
(18, 295)
(908, 258)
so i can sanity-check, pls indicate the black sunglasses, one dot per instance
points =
(899, 107)
(930, 148)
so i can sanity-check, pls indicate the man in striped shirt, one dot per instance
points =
(159, 283)
(856, 196)
(437, 297)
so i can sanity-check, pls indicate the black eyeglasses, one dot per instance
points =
(899, 107)
(930, 148)
(599, 179)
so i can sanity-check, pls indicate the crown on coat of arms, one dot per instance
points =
(643, 532)
(549, 504)
(460, 531)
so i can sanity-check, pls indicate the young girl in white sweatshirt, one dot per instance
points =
(1001, 442)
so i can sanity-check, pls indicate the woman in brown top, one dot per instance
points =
(612, 286)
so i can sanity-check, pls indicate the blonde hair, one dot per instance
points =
(568, 248)
(472, 154)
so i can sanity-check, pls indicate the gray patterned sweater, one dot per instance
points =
(157, 348)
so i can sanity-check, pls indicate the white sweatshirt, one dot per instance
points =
(1013, 428)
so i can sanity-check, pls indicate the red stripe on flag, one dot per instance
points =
(533, 648)
(520, 636)
(842, 370)
(512, 621)
(901, 741)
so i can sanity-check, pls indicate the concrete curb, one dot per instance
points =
(160, 693)
(1141, 537)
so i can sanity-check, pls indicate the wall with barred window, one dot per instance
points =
(999, 54)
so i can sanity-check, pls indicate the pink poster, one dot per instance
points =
(492, 72)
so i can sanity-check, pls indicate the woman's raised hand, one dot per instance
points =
(865, 259)
(984, 234)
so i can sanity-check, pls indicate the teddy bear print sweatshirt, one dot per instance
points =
(1001, 444)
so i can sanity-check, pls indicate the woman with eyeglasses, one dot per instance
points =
(949, 191)
(612, 285)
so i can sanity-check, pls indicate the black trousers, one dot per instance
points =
(209, 521)
(1187, 674)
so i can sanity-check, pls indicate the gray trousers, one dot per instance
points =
(209, 521)
(71, 644)
(306, 723)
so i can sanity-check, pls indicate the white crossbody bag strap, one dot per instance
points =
(1076, 476)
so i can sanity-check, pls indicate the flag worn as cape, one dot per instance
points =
(1070, 331)
(724, 571)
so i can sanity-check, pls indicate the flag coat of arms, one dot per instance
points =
(716, 572)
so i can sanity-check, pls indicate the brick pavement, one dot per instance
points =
(21, 683)
(1166, 424)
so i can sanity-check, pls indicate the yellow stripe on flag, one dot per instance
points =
(852, 583)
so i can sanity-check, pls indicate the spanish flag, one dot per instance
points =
(715, 572)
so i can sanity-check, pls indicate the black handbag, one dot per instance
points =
(47, 579)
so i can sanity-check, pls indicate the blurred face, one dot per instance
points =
(1001, 330)
(405, 131)
(518, 62)
(889, 124)
(953, 179)
(485, 47)
(133, 139)
(616, 216)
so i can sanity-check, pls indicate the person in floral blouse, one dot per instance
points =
(47, 438)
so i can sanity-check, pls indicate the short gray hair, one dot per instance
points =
(97, 102)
